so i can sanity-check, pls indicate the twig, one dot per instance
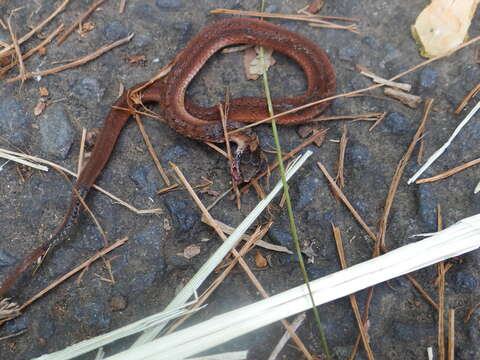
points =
(2, 24)
(80, 61)
(441, 296)
(377, 79)
(81, 153)
(85, 264)
(151, 150)
(80, 20)
(21, 66)
(398, 174)
(340, 179)
(471, 312)
(471, 94)
(31, 52)
(8, 50)
(355, 117)
(449, 173)
(18, 333)
(241, 261)
(286, 336)
(353, 300)
(359, 91)
(451, 334)
(412, 101)
(121, 8)
(440, 151)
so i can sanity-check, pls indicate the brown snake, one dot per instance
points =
(201, 123)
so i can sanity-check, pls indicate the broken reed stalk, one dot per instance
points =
(18, 157)
(9, 49)
(80, 20)
(121, 8)
(382, 227)
(151, 150)
(81, 153)
(449, 173)
(359, 91)
(354, 117)
(286, 336)
(78, 62)
(379, 80)
(353, 300)
(286, 193)
(471, 94)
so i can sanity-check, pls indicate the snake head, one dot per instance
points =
(248, 159)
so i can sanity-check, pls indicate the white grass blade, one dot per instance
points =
(237, 355)
(105, 339)
(455, 240)
(188, 291)
(21, 160)
(440, 151)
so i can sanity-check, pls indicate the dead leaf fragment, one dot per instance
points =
(43, 91)
(88, 26)
(191, 251)
(253, 63)
(260, 260)
(40, 107)
(137, 59)
(443, 25)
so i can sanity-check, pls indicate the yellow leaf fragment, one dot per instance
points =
(443, 25)
(253, 62)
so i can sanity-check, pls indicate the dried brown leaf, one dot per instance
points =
(260, 260)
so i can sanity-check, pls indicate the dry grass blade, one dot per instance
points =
(398, 174)
(359, 91)
(33, 51)
(81, 61)
(80, 20)
(18, 333)
(471, 94)
(8, 50)
(450, 172)
(121, 8)
(151, 150)
(8, 309)
(377, 79)
(235, 253)
(17, 155)
(81, 153)
(286, 336)
(340, 179)
(451, 334)
(21, 66)
(353, 300)
(354, 117)
(441, 295)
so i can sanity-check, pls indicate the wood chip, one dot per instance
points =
(315, 6)
(412, 101)
(43, 91)
(137, 59)
(191, 251)
(260, 260)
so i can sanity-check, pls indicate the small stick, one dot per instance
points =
(8, 50)
(379, 80)
(80, 61)
(471, 94)
(353, 300)
(471, 312)
(441, 296)
(398, 175)
(451, 334)
(355, 117)
(85, 264)
(21, 66)
(286, 336)
(220, 197)
(412, 101)
(341, 158)
(422, 291)
(329, 25)
(82, 151)
(18, 333)
(121, 8)
(359, 91)
(450, 172)
(241, 261)
(151, 150)
(80, 20)
(217, 149)
(2, 24)
(33, 51)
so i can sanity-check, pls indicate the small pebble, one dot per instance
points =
(307, 186)
(118, 303)
(428, 78)
(6, 259)
(465, 281)
(183, 213)
(357, 154)
(14, 120)
(397, 123)
(56, 132)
